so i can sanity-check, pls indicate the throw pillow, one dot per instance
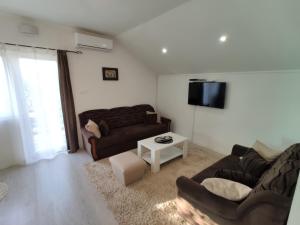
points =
(158, 116)
(237, 176)
(251, 162)
(227, 189)
(92, 127)
(104, 128)
(151, 119)
(265, 152)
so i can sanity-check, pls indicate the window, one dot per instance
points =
(41, 90)
(30, 98)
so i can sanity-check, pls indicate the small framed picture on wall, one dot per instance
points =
(110, 73)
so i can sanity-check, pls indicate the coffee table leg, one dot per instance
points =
(185, 149)
(139, 150)
(155, 161)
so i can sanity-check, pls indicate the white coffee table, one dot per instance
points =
(158, 154)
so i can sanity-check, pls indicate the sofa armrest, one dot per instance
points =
(239, 150)
(263, 198)
(265, 207)
(89, 142)
(86, 134)
(166, 121)
(202, 198)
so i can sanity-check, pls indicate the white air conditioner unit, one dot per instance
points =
(94, 42)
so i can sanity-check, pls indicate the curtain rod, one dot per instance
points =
(29, 46)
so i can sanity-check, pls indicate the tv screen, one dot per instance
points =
(210, 94)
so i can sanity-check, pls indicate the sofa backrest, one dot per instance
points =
(282, 177)
(117, 117)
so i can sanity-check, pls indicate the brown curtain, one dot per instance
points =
(67, 101)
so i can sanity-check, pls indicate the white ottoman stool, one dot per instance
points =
(127, 167)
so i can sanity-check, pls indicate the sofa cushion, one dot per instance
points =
(230, 162)
(141, 131)
(237, 176)
(252, 163)
(124, 134)
(116, 117)
(115, 137)
(126, 119)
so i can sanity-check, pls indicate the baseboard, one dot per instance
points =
(207, 150)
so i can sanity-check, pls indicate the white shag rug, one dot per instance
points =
(3, 190)
(151, 200)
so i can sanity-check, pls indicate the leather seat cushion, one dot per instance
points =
(131, 133)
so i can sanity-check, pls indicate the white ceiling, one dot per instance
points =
(263, 35)
(104, 16)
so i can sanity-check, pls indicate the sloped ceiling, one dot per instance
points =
(104, 16)
(262, 35)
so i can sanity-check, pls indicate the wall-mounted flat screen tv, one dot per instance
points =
(210, 94)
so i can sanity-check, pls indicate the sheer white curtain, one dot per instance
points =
(11, 151)
(32, 102)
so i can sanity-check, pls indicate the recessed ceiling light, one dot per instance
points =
(223, 38)
(164, 50)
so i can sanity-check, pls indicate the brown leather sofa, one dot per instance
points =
(268, 204)
(126, 125)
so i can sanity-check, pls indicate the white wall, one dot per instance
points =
(259, 105)
(137, 84)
